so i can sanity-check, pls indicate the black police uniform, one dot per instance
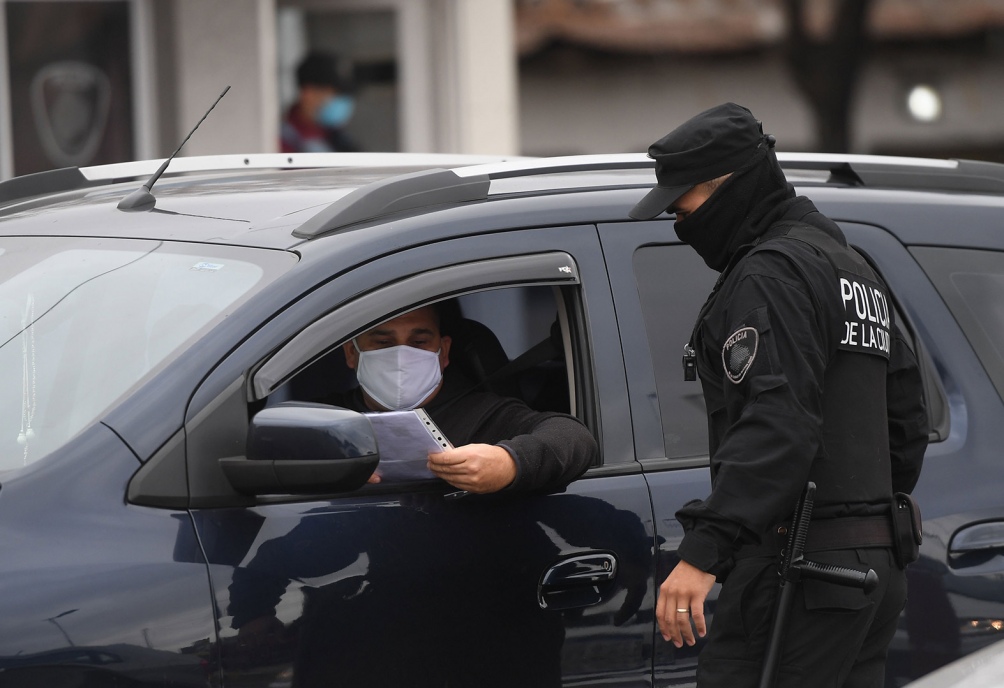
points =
(805, 376)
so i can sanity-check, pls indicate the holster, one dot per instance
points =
(906, 527)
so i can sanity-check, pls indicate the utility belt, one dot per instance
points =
(899, 529)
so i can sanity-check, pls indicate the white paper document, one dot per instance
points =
(405, 439)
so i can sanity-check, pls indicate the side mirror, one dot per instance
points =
(304, 448)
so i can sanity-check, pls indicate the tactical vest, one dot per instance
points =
(854, 464)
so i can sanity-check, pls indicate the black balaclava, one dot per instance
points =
(739, 210)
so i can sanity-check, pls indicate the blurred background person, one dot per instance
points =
(325, 103)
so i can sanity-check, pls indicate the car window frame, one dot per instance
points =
(620, 243)
(356, 316)
(216, 420)
(892, 260)
(935, 398)
(932, 260)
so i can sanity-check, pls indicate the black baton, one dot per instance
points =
(793, 568)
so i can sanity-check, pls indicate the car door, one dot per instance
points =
(400, 584)
(949, 296)
(658, 288)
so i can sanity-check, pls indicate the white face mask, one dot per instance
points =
(398, 378)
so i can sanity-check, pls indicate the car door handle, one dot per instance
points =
(977, 548)
(979, 537)
(576, 581)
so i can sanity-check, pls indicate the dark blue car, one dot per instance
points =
(150, 538)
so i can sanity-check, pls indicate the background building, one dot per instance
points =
(925, 77)
(92, 81)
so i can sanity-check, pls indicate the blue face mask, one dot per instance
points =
(336, 112)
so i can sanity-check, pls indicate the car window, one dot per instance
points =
(672, 286)
(935, 398)
(544, 365)
(84, 320)
(511, 341)
(972, 284)
(556, 267)
(313, 327)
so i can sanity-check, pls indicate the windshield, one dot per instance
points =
(83, 320)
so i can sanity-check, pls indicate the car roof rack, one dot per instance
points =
(466, 178)
(925, 174)
(437, 187)
(64, 179)
(74, 178)
(428, 189)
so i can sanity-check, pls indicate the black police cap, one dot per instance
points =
(714, 143)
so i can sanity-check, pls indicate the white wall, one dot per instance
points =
(475, 74)
(220, 43)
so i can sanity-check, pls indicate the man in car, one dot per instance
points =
(416, 561)
(805, 377)
(499, 442)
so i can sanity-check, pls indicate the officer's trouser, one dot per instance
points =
(837, 637)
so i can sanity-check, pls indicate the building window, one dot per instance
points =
(69, 74)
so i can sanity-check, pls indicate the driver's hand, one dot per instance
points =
(478, 468)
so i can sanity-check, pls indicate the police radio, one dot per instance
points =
(689, 363)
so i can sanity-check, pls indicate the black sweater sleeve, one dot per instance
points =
(550, 449)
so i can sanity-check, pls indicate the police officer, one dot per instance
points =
(805, 377)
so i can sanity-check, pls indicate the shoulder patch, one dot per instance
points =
(738, 353)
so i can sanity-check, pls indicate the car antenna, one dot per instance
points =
(141, 198)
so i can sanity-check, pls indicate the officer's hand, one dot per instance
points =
(476, 468)
(686, 587)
